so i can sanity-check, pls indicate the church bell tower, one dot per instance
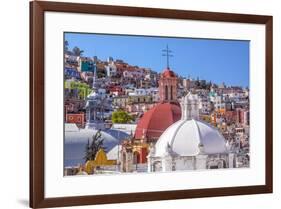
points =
(168, 81)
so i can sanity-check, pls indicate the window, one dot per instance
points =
(166, 92)
(171, 92)
(136, 158)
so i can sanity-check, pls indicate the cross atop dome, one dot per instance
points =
(167, 53)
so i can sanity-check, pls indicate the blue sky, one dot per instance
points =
(216, 60)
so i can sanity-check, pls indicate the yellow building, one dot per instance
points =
(100, 161)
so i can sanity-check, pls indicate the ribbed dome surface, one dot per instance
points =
(185, 136)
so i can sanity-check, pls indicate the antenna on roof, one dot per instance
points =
(167, 53)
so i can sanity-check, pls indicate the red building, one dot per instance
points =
(77, 118)
(116, 90)
(242, 116)
(155, 121)
(230, 116)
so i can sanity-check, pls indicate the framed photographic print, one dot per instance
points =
(139, 104)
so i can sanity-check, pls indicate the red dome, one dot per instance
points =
(167, 73)
(155, 121)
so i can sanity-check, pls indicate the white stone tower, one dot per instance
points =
(190, 107)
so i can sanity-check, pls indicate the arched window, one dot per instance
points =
(166, 92)
(136, 159)
(213, 167)
(171, 92)
(157, 166)
(124, 161)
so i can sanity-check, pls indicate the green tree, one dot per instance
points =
(66, 45)
(77, 52)
(87, 151)
(93, 147)
(121, 116)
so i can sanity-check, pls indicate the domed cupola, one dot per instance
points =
(190, 136)
(155, 121)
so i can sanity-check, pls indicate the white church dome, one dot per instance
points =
(190, 136)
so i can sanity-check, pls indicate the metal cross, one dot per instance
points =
(167, 54)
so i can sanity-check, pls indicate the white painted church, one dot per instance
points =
(190, 144)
